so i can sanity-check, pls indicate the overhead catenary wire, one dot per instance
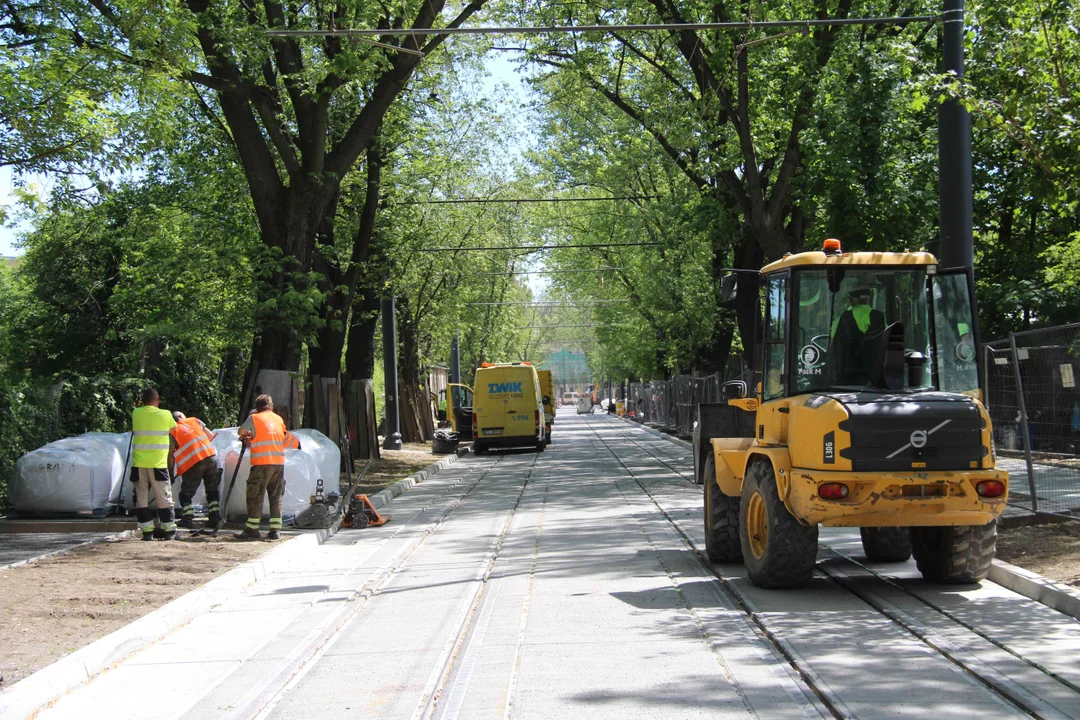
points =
(507, 201)
(535, 248)
(550, 303)
(544, 272)
(647, 27)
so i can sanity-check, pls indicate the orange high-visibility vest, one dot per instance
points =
(192, 444)
(270, 439)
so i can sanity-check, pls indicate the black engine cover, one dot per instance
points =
(917, 431)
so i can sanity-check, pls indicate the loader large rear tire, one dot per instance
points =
(722, 543)
(778, 551)
(954, 554)
(886, 544)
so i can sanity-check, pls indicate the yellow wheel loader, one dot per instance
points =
(868, 414)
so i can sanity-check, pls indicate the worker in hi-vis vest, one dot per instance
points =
(150, 426)
(196, 463)
(264, 432)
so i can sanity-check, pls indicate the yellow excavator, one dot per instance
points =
(867, 412)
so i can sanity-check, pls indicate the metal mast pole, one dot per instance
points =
(392, 441)
(954, 151)
(455, 361)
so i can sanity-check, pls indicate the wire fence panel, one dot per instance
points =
(1034, 404)
(672, 404)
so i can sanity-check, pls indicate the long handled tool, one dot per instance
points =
(124, 477)
(224, 505)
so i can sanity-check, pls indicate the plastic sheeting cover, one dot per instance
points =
(72, 475)
(325, 453)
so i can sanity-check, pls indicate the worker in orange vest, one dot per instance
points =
(196, 462)
(264, 432)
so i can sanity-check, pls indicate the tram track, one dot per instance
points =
(444, 680)
(261, 698)
(1003, 688)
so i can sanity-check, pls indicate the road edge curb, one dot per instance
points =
(383, 498)
(1032, 585)
(64, 551)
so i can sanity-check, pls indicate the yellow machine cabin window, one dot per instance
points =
(840, 319)
(775, 329)
(954, 334)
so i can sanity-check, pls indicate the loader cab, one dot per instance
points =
(866, 322)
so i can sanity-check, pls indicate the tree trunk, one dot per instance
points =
(409, 374)
(339, 282)
(360, 353)
(748, 306)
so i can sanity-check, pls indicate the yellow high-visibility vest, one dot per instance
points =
(150, 446)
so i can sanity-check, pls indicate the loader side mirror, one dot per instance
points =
(729, 285)
(733, 390)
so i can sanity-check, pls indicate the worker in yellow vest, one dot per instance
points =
(264, 432)
(196, 463)
(150, 426)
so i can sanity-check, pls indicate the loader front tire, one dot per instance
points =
(960, 554)
(886, 544)
(778, 550)
(722, 543)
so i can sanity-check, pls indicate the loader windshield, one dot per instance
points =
(840, 319)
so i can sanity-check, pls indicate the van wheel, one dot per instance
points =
(778, 551)
(954, 554)
(886, 544)
(479, 448)
(541, 446)
(722, 543)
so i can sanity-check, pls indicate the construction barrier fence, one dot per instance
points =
(1034, 405)
(671, 405)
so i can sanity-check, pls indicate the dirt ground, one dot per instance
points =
(395, 465)
(53, 607)
(1052, 550)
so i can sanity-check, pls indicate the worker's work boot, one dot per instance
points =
(248, 534)
(159, 534)
(187, 522)
(148, 536)
(168, 534)
(214, 520)
(273, 535)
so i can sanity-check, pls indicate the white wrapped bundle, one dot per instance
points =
(325, 453)
(73, 475)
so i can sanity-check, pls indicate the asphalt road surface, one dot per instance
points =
(571, 584)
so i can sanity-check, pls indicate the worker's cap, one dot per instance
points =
(860, 291)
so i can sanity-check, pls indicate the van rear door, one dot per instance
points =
(520, 401)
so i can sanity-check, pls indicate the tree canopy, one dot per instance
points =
(222, 198)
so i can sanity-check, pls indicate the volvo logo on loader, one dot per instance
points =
(918, 439)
